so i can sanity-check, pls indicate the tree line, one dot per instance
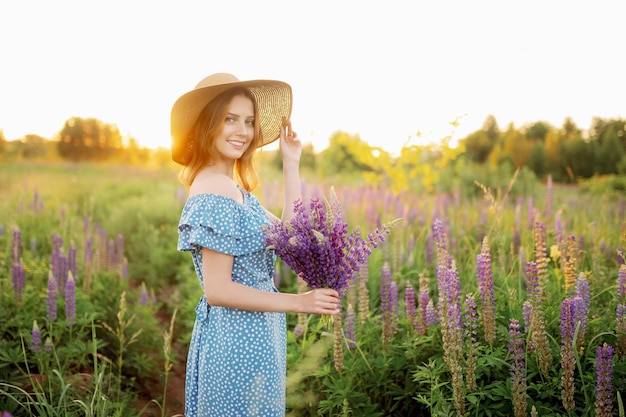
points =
(82, 140)
(565, 153)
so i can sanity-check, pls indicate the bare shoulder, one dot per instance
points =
(209, 183)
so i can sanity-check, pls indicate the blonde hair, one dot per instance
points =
(203, 133)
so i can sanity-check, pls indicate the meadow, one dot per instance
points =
(496, 301)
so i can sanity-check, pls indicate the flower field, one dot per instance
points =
(511, 302)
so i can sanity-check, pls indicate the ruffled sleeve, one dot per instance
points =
(221, 224)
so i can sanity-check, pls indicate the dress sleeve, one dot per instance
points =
(220, 224)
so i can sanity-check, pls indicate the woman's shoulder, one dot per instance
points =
(215, 184)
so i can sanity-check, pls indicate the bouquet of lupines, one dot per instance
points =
(316, 244)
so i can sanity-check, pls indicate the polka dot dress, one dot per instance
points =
(237, 359)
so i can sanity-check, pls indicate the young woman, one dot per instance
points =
(236, 364)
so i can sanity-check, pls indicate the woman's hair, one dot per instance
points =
(203, 133)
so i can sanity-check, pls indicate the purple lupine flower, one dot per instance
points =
(124, 269)
(439, 237)
(86, 226)
(581, 243)
(298, 331)
(439, 234)
(536, 322)
(350, 328)
(63, 273)
(48, 345)
(120, 248)
(385, 287)
(111, 261)
(57, 241)
(6, 414)
(620, 327)
(452, 338)
(533, 288)
(621, 282)
(338, 343)
(452, 293)
(531, 213)
(517, 240)
(487, 296)
(559, 234)
(568, 360)
(470, 324)
(604, 381)
(87, 264)
(35, 337)
(518, 369)
(393, 299)
(52, 297)
(409, 305)
(364, 297)
(35, 203)
(71, 259)
(470, 319)
(316, 244)
(59, 263)
(527, 314)
(18, 276)
(386, 298)
(16, 246)
(429, 249)
(431, 317)
(541, 250)
(144, 298)
(70, 299)
(582, 311)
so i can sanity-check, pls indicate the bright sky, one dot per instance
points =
(383, 70)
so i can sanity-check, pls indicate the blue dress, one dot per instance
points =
(236, 364)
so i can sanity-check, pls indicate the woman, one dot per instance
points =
(237, 357)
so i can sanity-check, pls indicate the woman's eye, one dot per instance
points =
(250, 122)
(230, 119)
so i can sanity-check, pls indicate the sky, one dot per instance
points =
(392, 72)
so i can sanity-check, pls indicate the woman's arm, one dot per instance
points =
(221, 290)
(290, 150)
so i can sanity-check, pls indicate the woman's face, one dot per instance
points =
(238, 129)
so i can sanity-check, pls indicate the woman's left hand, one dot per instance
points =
(290, 145)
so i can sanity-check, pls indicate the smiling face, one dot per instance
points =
(237, 131)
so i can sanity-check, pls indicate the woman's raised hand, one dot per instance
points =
(320, 301)
(290, 145)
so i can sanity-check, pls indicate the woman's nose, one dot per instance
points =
(242, 128)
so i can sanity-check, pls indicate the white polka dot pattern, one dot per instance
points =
(237, 359)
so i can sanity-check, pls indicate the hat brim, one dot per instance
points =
(274, 102)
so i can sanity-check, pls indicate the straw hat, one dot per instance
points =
(273, 103)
